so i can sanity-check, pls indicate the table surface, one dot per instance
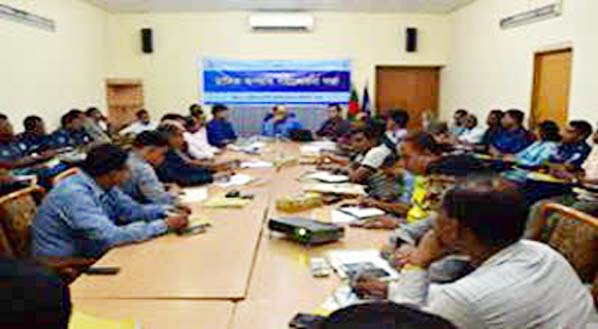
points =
(265, 279)
(161, 314)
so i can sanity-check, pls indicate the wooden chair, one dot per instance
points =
(17, 211)
(63, 175)
(576, 237)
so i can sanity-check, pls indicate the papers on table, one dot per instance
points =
(362, 213)
(327, 177)
(223, 202)
(342, 297)
(251, 145)
(83, 321)
(253, 164)
(348, 215)
(342, 189)
(194, 194)
(315, 148)
(237, 180)
(351, 263)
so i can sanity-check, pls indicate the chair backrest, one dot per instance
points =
(17, 210)
(63, 175)
(576, 237)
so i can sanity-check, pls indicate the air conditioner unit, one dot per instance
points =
(272, 22)
(21, 16)
(532, 16)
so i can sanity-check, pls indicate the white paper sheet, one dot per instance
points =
(327, 177)
(253, 164)
(362, 213)
(237, 180)
(339, 217)
(194, 194)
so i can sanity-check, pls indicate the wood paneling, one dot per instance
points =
(415, 89)
(552, 81)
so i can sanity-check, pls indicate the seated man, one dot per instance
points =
(493, 121)
(143, 185)
(513, 138)
(87, 214)
(541, 150)
(220, 130)
(13, 154)
(458, 126)
(196, 138)
(335, 127)
(92, 124)
(143, 123)
(177, 167)
(34, 137)
(32, 297)
(472, 134)
(72, 133)
(517, 283)
(281, 124)
(100, 119)
(574, 148)
(396, 132)
(383, 315)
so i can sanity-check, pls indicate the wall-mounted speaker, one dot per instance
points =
(411, 37)
(147, 41)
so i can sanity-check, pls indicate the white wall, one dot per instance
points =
(47, 73)
(170, 75)
(489, 67)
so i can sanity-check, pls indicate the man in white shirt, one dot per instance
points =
(142, 124)
(396, 132)
(196, 137)
(472, 134)
(517, 284)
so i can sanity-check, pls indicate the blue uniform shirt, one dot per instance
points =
(64, 137)
(282, 128)
(572, 154)
(80, 219)
(512, 141)
(12, 151)
(143, 184)
(35, 143)
(220, 132)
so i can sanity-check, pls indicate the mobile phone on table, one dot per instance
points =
(102, 270)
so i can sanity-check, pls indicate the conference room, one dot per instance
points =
(321, 164)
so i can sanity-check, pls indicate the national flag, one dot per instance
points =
(353, 103)
(366, 104)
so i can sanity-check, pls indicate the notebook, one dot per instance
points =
(350, 263)
(84, 321)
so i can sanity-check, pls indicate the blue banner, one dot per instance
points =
(273, 82)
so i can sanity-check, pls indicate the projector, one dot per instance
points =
(306, 231)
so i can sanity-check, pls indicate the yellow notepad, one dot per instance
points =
(84, 321)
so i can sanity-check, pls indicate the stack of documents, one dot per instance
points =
(316, 148)
(347, 215)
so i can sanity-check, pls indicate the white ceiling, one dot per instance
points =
(427, 6)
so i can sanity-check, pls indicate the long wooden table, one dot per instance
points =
(162, 314)
(237, 261)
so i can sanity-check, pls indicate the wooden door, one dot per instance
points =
(124, 98)
(552, 82)
(415, 89)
